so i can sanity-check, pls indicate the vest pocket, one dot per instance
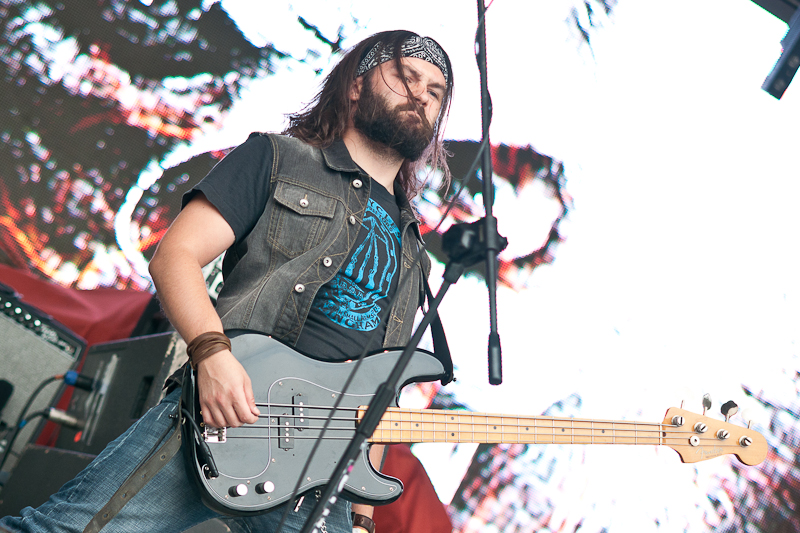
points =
(300, 218)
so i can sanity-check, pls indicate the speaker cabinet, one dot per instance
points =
(33, 348)
(129, 376)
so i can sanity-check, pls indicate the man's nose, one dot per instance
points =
(421, 96)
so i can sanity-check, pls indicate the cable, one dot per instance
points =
(417, 262)
(483, 146)
(21, 418)
(340, 397)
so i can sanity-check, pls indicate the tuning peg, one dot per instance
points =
(729, 409)
(706, 402)
(748, 414)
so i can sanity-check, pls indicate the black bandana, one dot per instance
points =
(415, 46)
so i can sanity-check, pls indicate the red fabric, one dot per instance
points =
(418, 510)
(98, 315)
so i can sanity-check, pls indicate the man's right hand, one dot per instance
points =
(226, 393)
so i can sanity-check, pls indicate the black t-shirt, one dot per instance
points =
(348, 312)
(345, 312)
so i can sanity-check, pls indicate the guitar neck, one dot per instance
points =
(424, 425)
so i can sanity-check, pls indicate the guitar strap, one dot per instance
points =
(158, 457)
(440, 348)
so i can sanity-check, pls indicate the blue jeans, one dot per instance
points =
(169, 503)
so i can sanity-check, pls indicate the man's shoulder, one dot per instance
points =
(281, 141)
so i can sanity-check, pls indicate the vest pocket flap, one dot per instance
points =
(304, 201)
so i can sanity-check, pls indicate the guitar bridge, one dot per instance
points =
(215, 435)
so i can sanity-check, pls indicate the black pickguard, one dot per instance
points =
(295, 393)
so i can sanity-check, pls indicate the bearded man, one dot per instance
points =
(323, 252)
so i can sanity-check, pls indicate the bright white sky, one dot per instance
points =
(680, 271)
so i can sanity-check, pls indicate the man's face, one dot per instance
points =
(386, 115)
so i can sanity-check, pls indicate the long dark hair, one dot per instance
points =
(326, 117)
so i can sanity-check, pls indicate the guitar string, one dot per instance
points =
(453, 414)
(538, 422)
(662, 441)
(666, 432)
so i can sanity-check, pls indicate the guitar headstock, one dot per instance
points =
(697, 438)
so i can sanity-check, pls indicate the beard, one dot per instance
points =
(403, 129)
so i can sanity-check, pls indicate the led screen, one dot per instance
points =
(646, 188)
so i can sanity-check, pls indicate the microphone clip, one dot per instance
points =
(468, 243)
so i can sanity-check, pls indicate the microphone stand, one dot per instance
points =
(465, 244)
(377, 407)
(493, 244)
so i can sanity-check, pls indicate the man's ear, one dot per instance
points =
(355, 89)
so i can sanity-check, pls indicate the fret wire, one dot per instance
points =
(590, 423)
(618, 427)
(615, 425)
(535, 418)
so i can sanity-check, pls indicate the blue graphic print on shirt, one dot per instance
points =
(351, 298)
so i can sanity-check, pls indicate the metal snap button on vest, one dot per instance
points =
(299, 287)
(357, 183)
(327, 261)
(352, 219)
(304, 202)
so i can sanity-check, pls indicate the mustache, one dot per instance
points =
(418, 110)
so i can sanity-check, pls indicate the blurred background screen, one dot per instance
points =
(647, 186)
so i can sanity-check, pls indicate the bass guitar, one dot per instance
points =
(256, 467)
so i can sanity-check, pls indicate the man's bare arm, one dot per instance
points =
(198, 235)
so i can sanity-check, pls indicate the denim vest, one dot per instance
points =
(310, 224)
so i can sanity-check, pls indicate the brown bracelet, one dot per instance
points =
(206, 345)
(359, 520)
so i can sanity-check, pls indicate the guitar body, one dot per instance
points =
(259, 464)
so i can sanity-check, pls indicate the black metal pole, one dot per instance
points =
(384, 396)
(492, 244)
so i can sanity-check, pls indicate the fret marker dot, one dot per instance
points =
(495, 427)
(602, 430)
(396, 424)
(417, 425)
(452, 434)
(562, 430)
(526, 429)
(452, 418)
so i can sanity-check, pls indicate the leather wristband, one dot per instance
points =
(206, 345)
(365, 522)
